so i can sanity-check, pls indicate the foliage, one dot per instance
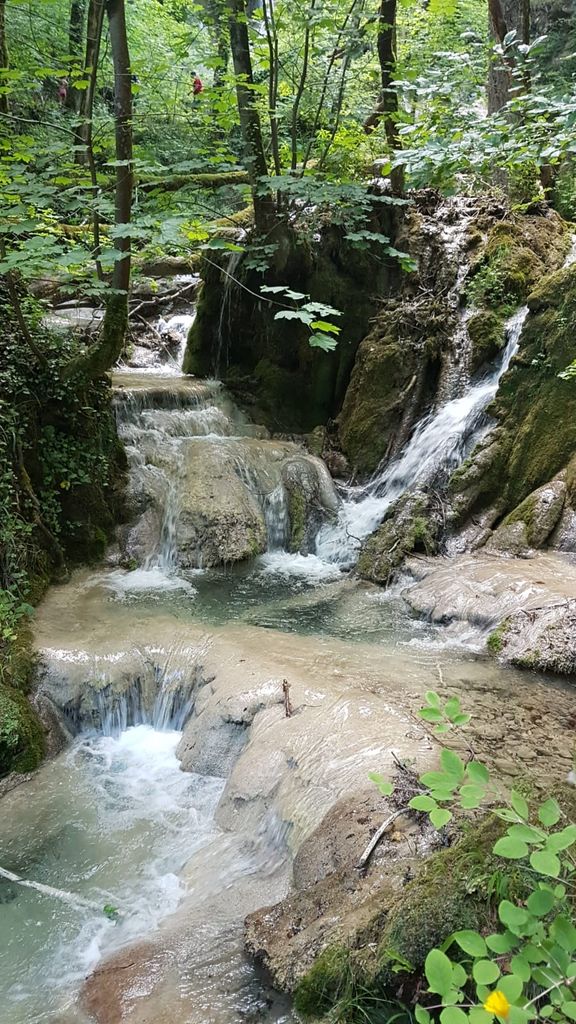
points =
(525, 969)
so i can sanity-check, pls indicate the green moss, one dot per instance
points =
(297, 511)
(325, 983)
(486, 331)
(495, 641)
(21, 735)
(409, 527)
(456, 888)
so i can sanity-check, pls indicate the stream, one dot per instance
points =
(147, 647)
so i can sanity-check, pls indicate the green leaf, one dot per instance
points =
(422, 803)
(452, 764)
(511, 985)
(521, 967)
(322, 341)
(519, 804)
(485, 972)
(477, 772)
(323, 325)
(545, 863)
(562, 840)
(294, 314)
(422, 1015)
(540, 902)
(471, 942)
(431, 714)
(501, 942)
(564, 933)
(549, 812)
(510, 848)
(432, 698)
(511, 916)
(384, 785)
(440, 817)
(478, 1015)
(569, 1008)
(438, 970)
(438, 780)
(527, 833)
(471, 795)
(453, 1015)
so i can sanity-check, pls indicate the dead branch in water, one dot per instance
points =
(363, 862)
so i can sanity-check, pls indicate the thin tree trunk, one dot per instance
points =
(86, 109)
(387, 106)
(264, 210)
(300, 91)
(272, 39)
(4, 105)
(102, 356)
(75, 38)
(326, 82)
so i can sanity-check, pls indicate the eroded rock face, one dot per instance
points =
(411, 526)
(528, 604)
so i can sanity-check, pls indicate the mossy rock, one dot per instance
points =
(486, 332)
(457, 888)
(409, 527)
(535, 409)
(21, 733)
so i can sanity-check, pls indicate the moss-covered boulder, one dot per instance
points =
(486, 333)
(411, 526)
(21, 732)
(535, 410)
(452, 891)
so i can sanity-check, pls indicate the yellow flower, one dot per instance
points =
(498, 1004)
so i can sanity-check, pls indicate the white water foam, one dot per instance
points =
(143, 581)
(287, 565)
(133, 820)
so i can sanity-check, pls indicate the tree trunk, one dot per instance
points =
(75, 38)
(387, 106)
(300, 91)
(264, 209)
(4, 105)
(102, 356)
(86, 108)
(504, 15)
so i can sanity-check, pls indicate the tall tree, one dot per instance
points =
(4, 106)
(75, 39)
(255, 158)
(387, 106)
(104, 354)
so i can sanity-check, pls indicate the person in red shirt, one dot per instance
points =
(197, 86)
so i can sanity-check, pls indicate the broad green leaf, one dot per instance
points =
(422, 1015)
(562, 840)
(510, 848)
(527, 833)
(384, 785)
(452, 764)
(438, 970)
(549, 812)
(519, 804)
(540, 902)
(440, 817)
(511, 985)
(569, 1008)
(322, 341)
(511, 916)
(545, 863)
(485, 972)
(323, 325)
(501, 942)
(564, 933)
(439, 780)
(471, 795)
(431, 714)
(432, 698)
(422, 803)
(521, 967)
(471, 942)
(453, 1015)
(477, 772)
(478, 1015)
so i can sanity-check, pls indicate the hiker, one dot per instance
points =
(62, 91)
(197, 85)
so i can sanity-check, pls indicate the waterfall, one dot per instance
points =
(224, 323)
(438, 445)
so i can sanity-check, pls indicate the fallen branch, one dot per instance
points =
(158, 300)
(200, 180)
(363, 862)
(287, 702)
(49, 890)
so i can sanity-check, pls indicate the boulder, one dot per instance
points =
(409, 526)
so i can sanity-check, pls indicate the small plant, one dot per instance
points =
(112, 913)
(526, 969)
(321, 331)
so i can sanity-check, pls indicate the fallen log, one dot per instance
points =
(49, 890)
(217, 180)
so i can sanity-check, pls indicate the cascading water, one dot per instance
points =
(439, 444)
